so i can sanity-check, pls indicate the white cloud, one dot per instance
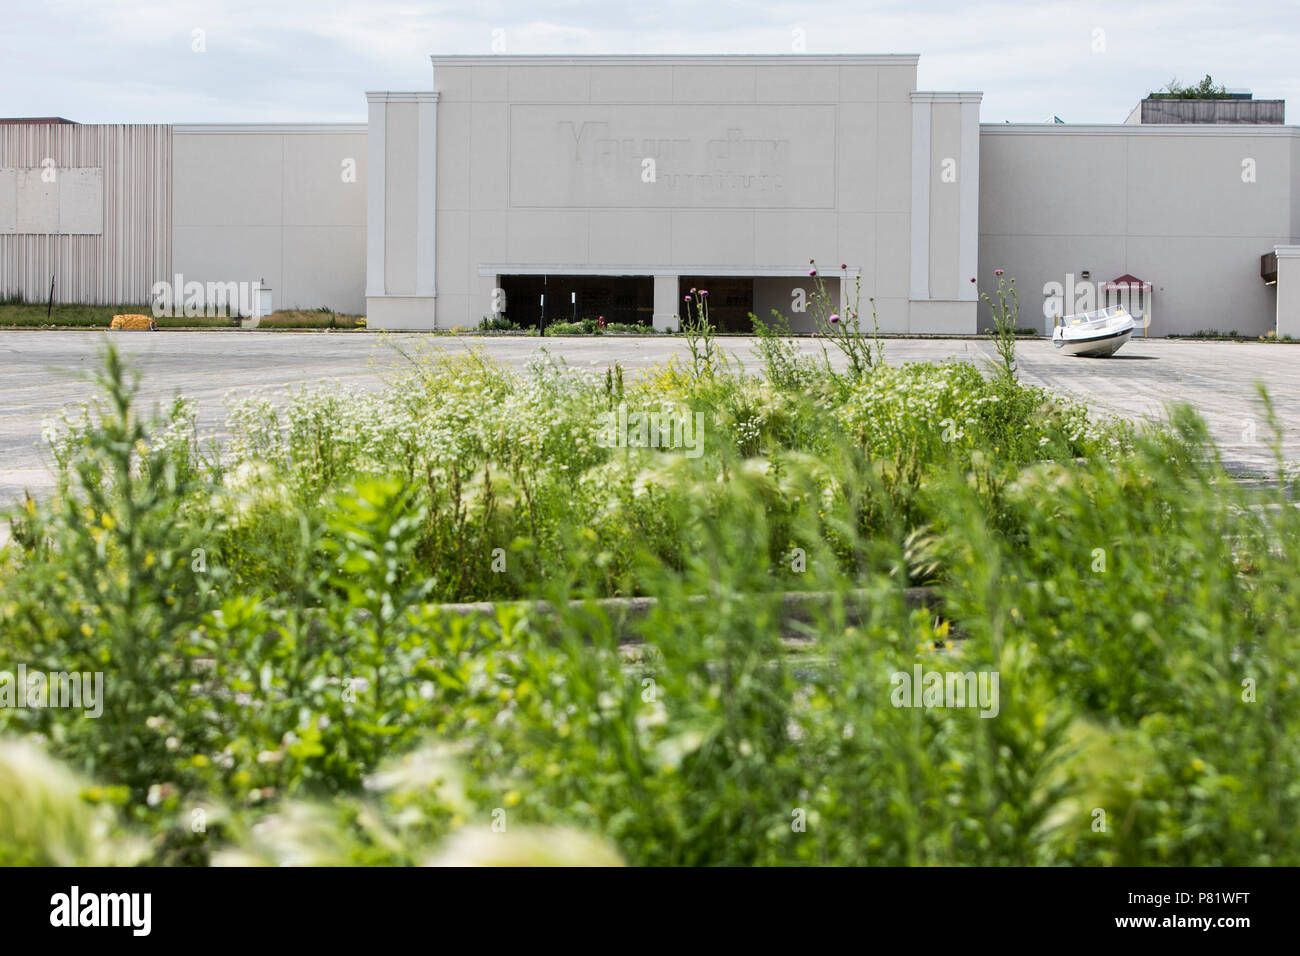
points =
(126, 61)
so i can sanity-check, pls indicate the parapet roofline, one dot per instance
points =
(1140, 129)
(690, 59)
(947, 96)
(273, 129)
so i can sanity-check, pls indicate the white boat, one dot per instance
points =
(1094, 334)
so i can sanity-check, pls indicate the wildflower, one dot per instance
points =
(972, 278)
(704, 292)
(812, 272)
(997, 272)
(844, 265)
(834, 318)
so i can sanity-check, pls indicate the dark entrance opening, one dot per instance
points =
(731, 300)
(624, 299)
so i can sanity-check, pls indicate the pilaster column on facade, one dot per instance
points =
(969, 221)
(426, 256)
(920, 250)
(401, 209)
(945, 174)
(376, 140)
(1288, 291)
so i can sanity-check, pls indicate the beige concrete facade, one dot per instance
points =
(739, 168)
(280, 203)
(1190, 209)
(664, 166)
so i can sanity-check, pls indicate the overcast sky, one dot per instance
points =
(133, 61)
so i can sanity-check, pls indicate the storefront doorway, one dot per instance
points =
(731, 300)
(619, 299)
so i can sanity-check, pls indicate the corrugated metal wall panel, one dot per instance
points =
(134, 251)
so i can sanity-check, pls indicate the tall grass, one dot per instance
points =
(279, 657)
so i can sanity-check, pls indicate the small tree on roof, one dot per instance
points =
(1204, 90)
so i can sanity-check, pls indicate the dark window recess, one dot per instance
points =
(625, 299)
(730, 299)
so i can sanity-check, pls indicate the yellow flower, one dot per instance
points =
(512, 798)
(107, 521)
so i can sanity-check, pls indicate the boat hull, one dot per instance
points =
(1095, 348)
(1099, 341)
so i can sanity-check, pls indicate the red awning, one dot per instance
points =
(1127, 282)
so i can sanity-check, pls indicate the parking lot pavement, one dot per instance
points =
(41, 372)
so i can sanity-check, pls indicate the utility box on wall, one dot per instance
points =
(261, 305)
(1288, 291)
(262, 300)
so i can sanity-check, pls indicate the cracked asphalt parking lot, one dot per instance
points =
(43, 372)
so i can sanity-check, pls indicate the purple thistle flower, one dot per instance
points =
(704, 292)
(997, 272)
(686, 298)
(812, 272)
(834, 318)
(844, 265)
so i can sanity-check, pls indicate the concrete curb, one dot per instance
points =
(628, 615)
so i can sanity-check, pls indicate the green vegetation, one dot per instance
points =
(593, 327)
(1233, 336)
(497, 323)
(1204, 90)
(17, 314)
(279, 663)
(1006, 316)
(321, 318)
